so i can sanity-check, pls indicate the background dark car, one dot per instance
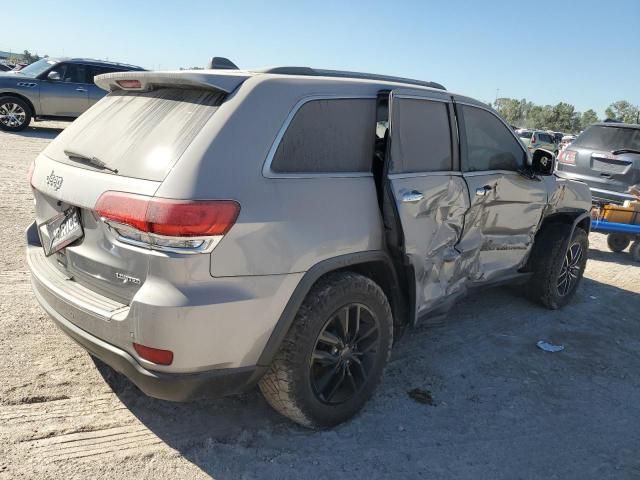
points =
(606, 156)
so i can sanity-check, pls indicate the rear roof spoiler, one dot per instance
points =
(225, 81)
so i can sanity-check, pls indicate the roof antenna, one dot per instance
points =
(221, 63)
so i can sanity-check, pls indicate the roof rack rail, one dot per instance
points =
(317, 72)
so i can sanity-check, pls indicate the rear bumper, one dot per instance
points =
(165, 386)
(598, 195)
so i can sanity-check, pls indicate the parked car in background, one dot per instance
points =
(5, 67)
(566, 140)
(606, 156)
(52, 89)
(199, 263)
(538, 139)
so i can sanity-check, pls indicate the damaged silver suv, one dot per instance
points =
(202, 232)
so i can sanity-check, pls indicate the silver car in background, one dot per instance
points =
(52, 89)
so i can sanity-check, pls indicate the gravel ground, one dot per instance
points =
(500, 407)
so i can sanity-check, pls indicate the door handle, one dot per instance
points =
(80, 89)
(482, 191)
(412, 196)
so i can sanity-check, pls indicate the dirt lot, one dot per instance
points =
(501, 407)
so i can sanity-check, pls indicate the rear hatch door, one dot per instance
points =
(132, 139)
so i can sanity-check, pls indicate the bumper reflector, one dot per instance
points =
(155, 355)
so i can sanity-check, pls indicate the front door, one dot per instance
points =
(67, 97)
(506, 206)
(425, 193)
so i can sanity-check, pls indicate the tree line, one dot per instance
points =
(561, 117)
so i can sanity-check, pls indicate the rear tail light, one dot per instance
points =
(166, 224)
(155, 355)
(567, 157)
(533, 139)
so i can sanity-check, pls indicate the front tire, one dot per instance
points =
(15, 114)
(558, 262)
(333, 357)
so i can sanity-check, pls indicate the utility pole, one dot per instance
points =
(497, 92)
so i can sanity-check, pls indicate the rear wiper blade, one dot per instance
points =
(93, 161)
(625, 150)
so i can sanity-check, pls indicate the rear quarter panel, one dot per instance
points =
(285, 225)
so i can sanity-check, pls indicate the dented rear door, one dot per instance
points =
(425, 192)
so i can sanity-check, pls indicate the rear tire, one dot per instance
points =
(558, 261)
(333, 357)
(635, 251)
(617, 242)
(15, 114)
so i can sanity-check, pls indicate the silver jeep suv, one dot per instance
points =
(202, 232)
(52, 89)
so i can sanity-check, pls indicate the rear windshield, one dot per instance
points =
(141, 135)
(608, 138)
(524, 134)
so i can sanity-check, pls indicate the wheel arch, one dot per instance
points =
(375, 264)
(23, 98)
(575, 218)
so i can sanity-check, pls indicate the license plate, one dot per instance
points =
(61, 230)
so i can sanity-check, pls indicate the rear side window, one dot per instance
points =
(328, 136)
(141, 134)
(489, 143)
(420, 137)
(608, 138)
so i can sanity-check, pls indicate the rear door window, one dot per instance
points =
(489, 144)
(141, 134)
(600, 137)
(421, 136)
(328, 136)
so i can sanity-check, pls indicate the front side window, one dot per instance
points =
(489, 143)
(420, 136)
(328, 136)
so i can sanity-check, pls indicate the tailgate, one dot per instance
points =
(604, 170)
(97, 261)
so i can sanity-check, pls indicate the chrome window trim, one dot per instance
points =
(422, 97)
(448, 173)
(267, 172)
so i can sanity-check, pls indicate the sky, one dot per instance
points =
(586, 53)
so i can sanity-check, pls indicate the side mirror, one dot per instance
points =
(55, 76)
(543, 162)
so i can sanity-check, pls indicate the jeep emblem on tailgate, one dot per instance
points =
(54, 181)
